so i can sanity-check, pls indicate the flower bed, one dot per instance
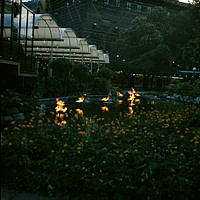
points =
(152, 153)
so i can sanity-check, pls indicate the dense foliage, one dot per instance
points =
(73, 79)
(185, 88)
(151, 154)
(176, 33)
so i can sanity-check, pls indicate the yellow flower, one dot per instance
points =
(172, 152)
(31, 141)
(42, 114)
(81, 132)
(65, 145)
(120, 155)
(195, 138)
(5, 129)
(40, 121)
(181, 136)
(107, 130)
(16, 128)
(10, 144)
(66, 165)
(76, 116)
(162, 136)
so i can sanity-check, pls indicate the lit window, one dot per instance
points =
(128, 5)
(149, 9)
(106, 2)
(117, 3)
(139, 7)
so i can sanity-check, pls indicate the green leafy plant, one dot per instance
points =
(144, 155)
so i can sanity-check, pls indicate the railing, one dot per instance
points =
(17, 22)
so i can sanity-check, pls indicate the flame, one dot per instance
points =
(60, 115)
(80, 100)
(105, 98)
(105, 108)
(131, 104)
(79, 111)
(62, 123)
(131, 110)
(60, 106)
(132, 92)
(120, 94)
(131, 97)
(137, 100)
(119, 101)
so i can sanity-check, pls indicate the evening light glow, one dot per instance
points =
(185, 1)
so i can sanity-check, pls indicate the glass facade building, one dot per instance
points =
(27, 38)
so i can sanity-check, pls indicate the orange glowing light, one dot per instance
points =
(60, 106)
(105, 98)
(137, 100)
(120, 94)
(62, 123)
(131, 97)
(130, 110)
(79, 111)
(119, 101)
(132, 91)
(105, 108)
(131, 104)
(80, 100)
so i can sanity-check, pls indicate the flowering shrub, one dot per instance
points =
(150, 154)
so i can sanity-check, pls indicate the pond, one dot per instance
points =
(98, 106)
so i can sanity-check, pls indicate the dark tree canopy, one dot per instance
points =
(160, 41)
